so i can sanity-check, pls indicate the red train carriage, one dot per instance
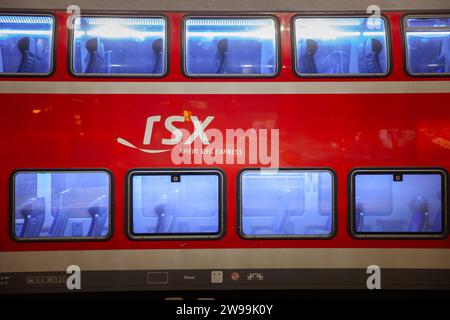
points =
(234, 150)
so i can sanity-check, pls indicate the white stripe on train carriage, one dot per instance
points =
(300, 87)
(263, 258)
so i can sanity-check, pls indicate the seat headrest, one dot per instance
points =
(222, 45)
(93, 44)
(33, 206)
(374, 45)
(24, 44)
(419, 204)
(359, 207)
(157, 46)
(311, 46)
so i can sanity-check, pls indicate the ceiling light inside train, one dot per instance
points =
(117, 31)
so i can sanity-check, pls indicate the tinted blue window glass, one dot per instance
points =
(61, 204)
(428, 22)
(428, 45)
(383, 205)
(287, 203)
(231, 46)
(119, 46)
(26, 44)
(187, 206)
(341, 46)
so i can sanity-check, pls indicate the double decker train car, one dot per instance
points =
(207, 148)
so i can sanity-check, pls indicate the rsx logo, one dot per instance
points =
(205, 145)
(177, 134)
(199, 129)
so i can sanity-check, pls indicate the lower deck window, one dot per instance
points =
(175, 204)
(400, 202)
(61, 205)
(286, 203)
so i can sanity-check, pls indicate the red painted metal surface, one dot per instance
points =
(339, 131)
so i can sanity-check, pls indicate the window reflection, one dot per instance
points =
(26, 44)
(230, 46)
(161, 205)
(61, 204)
(428, 45)
(412, 204)
(289, 203)
(119, 46)
(339, 46)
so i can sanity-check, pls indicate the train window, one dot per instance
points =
(428, 45)
(119, 46)
(26, 44)
(398, 203)
(230, 46)
(286, 203)
(175, 204)
(63, 205)
(341, 46)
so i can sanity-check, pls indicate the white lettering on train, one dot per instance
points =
(74, 280)
(374, 280)
(212, 146)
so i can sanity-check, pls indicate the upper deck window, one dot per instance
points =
(119, 46)
(341, 46)
(175, 204)
(396, 203)
(286, 203)
(61, 205)
(428, 45)
(26, 43)
(230, 47)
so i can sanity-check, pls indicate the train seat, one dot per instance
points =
(32, 55)
(98, 210)
(222, 52)
(165, 213)
(33, 212)
(290, 207)
(369, 56)
(306, 60)
(61, 214)
(158, 49)
(359, 216)
(419, 221)
(99, 60)
(424, 55)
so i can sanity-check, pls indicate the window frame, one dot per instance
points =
(12, 220)
(121, 75)
(174, 236)
(404, 30)
(334, 215)
(396, 235)
(230, 16)
(54, 37)
(389, 60)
